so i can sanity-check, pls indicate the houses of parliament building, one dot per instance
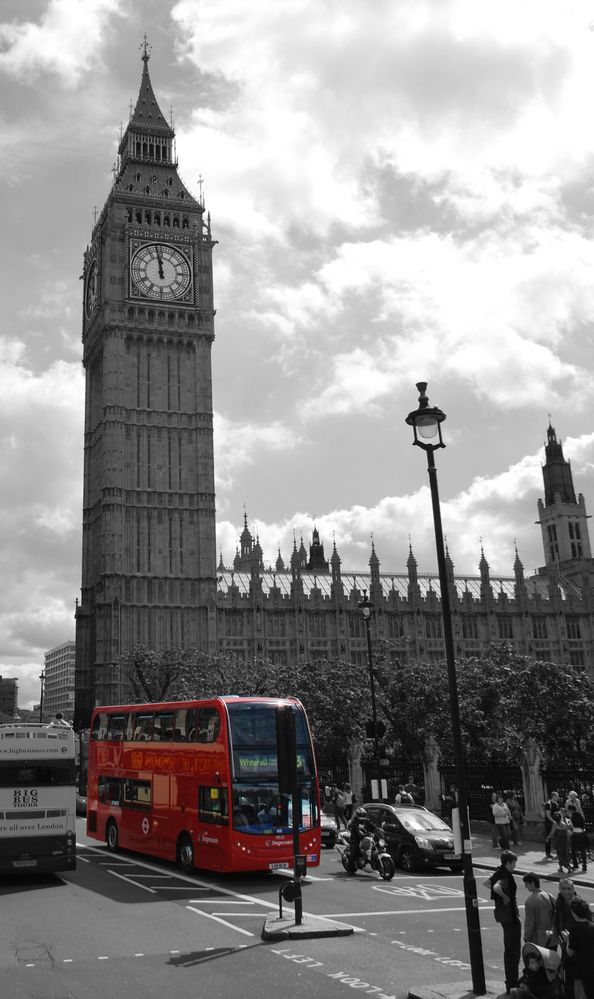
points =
(149, 565)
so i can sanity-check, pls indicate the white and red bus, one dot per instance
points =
(197, 782)
(37, 797)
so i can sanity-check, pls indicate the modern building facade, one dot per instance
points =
(59, 680)
(149, 573)
(9, 694)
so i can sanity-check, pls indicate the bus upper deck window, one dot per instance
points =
(209, 724)
(99, 730)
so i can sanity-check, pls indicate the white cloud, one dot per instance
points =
(66, 41)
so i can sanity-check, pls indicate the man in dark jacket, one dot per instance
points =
(359, 827)
(503, 892)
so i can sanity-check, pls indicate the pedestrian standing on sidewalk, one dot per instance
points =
(517, 816)
(539, 911)
(551, 805)
(578, 839)
(503, 892)
(561, 840)
(502, 821)
(494, 830)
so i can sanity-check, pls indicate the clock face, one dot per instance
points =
(91, 289)
(160, 271)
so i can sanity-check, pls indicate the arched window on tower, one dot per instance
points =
(138, 216)
(185, 222)
(157, 218)
(166, 220)
(176, 221)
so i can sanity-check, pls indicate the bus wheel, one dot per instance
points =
(111, 835)
(185, 854)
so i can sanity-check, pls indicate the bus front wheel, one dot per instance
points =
(111, 836)
(185, 854)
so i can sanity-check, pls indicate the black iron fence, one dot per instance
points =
(481, 781)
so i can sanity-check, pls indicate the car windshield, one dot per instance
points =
(423, 822)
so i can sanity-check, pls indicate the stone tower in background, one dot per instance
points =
(148, 558)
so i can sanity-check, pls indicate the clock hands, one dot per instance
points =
(160, 262)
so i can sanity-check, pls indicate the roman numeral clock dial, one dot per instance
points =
(160, 271)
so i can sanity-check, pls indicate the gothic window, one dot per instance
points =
(395, 627)
(575, 539)
(130, 187)
(504, 625)
(469, 627)
(147, 190)
(573, 626)
(139, 216)
(185, 222)
(553, 543)
(356, 626)
(176, 221)
(539, 627)
(138, 148)
(576, 657)
(148, 215)
(433, 626)
(181, 194)
(166, 220)
(317, 626)
(157, 218)
(170, 182)
(137, 177)
(165, 193)
(154, 179)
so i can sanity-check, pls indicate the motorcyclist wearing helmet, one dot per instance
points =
(359, 827)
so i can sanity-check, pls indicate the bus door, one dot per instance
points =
(213, 828)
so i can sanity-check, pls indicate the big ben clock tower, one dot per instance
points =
(148, 555)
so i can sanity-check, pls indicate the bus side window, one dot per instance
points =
(163, 730)
(137, 793)
(185, 725)
(116, 727)
(143, 729)
(99, 730)
(109, 790)
(209, 724)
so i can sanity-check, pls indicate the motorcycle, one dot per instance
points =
(372, 853)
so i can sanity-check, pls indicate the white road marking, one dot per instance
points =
(130, 881)
(386, 912)
(210, 915)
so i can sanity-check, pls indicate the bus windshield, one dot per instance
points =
(257, 805)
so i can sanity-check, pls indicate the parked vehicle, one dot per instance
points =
(415, 837)
(372, 853)
(329, 830)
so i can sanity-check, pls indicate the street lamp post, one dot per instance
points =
(365, 606)
(426, 423)
(42, 683)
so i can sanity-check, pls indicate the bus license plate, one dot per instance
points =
(451, 856)
(24, 863)
(279, 866)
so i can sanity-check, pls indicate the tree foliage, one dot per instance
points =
(503, 698)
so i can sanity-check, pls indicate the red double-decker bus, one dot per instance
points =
(197, 782)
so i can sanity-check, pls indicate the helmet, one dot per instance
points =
(361, 813)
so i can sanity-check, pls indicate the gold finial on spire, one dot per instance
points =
(200, 186)
(131, 109)
(171, 116)
(146, 48)
(95, 216)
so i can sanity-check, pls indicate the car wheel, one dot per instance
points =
(111, 836)
(185, 854)
(407, 859)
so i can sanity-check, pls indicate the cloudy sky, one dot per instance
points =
(400, 191)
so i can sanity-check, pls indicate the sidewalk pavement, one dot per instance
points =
(531, 857)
